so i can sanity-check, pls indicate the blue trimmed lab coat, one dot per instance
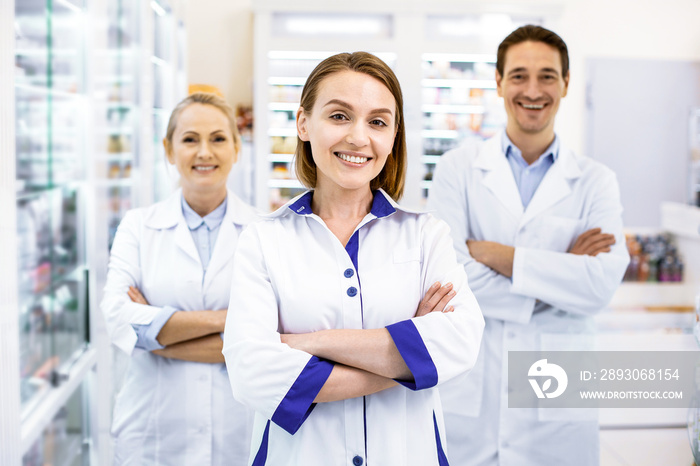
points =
(292, 275)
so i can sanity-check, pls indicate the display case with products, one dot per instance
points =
(116, 118)
(73, 161)
(459, 101)
(164, 67)
(288, 71)
(50, 192)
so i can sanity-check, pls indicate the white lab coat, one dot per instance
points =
(173, 412)
(292, 275)
(547, 306)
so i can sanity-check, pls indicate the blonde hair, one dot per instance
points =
(393, 175)
(204, 98)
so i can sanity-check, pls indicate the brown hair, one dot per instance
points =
(393, 175)
(534, 34)
(204, 98)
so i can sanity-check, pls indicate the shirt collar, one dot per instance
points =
(511, 150)
(212, 220)
(381, 205)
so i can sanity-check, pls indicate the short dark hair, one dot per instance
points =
(533, 33)
(392, 177)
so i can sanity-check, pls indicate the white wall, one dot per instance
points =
(220, 46)
(641, 29)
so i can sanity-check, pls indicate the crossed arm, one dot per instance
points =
(367, 361)
(500, 256)
(189, 335)
(367, 356)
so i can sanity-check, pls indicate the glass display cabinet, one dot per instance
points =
(50, 193)
(459, 101)
(163, 92)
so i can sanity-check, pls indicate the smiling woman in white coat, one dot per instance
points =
(341, 330)
(166, 301)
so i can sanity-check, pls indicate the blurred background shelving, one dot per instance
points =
(93, 82)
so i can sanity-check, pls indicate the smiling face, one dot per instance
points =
(202, 149)
(532, 86)
(351, 130)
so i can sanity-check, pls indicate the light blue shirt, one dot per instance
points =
(204, 231)
(528, 177)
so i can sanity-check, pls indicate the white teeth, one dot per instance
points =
(204, 169)
(533, 107)
(352, 158)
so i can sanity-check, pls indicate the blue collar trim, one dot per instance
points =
(381, 207)
(302, 206)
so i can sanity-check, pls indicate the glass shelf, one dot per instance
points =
(460, 101)
(282, 158)
(65, 440)
(460, 83)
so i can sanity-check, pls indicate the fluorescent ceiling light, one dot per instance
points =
(69, 5)
(160, 11)
(312, 26)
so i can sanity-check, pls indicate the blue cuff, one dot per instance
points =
(146, 334)
(299, 400)
(414, 353)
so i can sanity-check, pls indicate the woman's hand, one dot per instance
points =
(436, 299)
(136, 296)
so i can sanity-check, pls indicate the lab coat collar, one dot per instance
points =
(212, 220)
(499, 179)
(168, 213)
(382, 205)
(555, 186)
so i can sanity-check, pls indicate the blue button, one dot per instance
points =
(349, 273)
(352, 291)
(357, 461)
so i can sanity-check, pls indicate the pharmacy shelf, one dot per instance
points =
(285, 81)
(459, 83)
(36, 420)
(280, 158)
(440, 134)
(445, 108)
(283, 106)
(284, 183)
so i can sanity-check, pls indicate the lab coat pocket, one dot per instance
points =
(406, 255)
(559, 233)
